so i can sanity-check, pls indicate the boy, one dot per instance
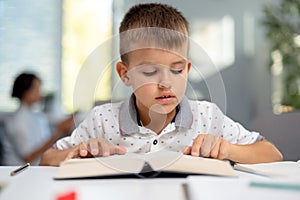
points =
(154, 48)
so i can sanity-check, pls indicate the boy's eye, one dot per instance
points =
(149, 73)
(176, 71)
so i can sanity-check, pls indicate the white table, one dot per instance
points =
(37, 183)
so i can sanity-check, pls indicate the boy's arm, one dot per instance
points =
(258, 152)
(90, 148)
(53, 157)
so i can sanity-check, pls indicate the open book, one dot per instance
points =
(160, 163)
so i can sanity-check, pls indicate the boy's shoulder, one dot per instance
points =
(204, 107)
(201, 103)
(108, 107)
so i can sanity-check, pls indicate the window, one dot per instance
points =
(86, 27)
(216, 37)
(53, 39)
(30, 40)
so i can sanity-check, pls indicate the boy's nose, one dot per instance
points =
(164, 84)
(165, 79)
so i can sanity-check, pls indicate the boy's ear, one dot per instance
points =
(122, 71)
(189, 64)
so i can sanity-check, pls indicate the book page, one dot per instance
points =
(92, 167)
(199, 165)
(177, 162)
(159, 160)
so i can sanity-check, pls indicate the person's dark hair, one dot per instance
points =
(22, 84)
(157, 24)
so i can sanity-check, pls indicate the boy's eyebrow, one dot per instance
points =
(179, 62)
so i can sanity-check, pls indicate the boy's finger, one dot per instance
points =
(104, 148)
(120, 150)
(83, 152)
(187, 150)
(214, 153)
(74, 153)
(208, 143)
(196, 145)
(93, 147)
(223, 150)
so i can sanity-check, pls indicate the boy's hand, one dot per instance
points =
(95, 147)
(208, 145)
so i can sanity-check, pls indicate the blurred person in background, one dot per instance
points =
(28, 133)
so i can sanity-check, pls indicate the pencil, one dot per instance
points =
(20, 169)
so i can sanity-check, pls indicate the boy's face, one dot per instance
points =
(158, 78)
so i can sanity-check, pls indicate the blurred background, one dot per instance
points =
(253, 44)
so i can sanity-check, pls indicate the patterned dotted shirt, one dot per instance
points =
(118, 124)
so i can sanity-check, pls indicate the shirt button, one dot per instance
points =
(155, 142)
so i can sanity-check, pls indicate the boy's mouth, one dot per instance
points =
(165, 97)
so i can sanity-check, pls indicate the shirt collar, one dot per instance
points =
(128, 116)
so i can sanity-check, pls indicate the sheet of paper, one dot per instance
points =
(234, 188)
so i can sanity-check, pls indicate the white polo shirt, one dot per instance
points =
(118, 124)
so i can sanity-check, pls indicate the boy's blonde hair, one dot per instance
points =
(152, 25)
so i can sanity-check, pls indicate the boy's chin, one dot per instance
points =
(162, 109)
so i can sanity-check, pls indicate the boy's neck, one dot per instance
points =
(156, 121)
